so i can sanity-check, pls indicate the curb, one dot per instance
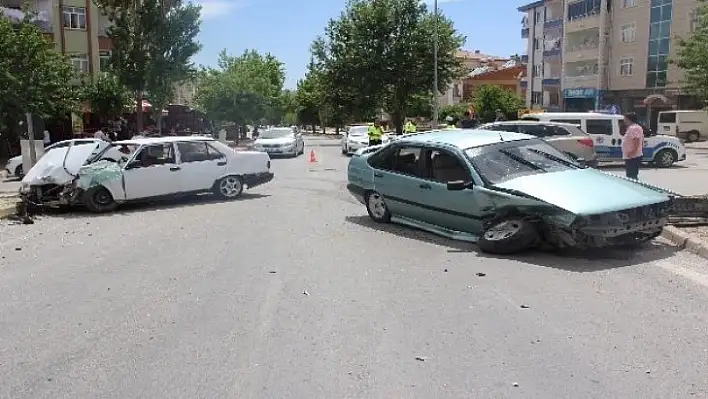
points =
(685, 241)
(7, 212)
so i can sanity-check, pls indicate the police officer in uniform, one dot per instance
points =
(376, 133)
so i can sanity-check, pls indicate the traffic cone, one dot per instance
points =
(313, 157)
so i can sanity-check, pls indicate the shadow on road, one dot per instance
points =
(567, 259)
(126, 209)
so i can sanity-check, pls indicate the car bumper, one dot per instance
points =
(357, 192)
(354, 147)
(591, 163)
(257, 179)
(278, 151)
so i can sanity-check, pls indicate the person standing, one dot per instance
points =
(410, 127)
(500, 116)
(47, 138)
(100, 135)
(632, 145)
(470, 122)
(376, 133)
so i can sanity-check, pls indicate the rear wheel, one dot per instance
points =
(229, 187)
(692, 136)
(99, 200)
(665, 158)
(508, 236)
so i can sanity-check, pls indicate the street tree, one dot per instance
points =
(488, 99)
(242, 89)
(35, 78)
(153, 43)
(106, 95)
(692, 56)
(380, 54)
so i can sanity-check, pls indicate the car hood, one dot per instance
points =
(279, 140)
(14, 161)
(586, 191)
(364, 138)
(59, 166)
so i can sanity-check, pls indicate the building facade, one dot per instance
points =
(614, 53)
(77, 27)
(472, 60)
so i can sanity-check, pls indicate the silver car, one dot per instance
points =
(565, 137)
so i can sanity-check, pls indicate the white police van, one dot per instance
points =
(607, 131)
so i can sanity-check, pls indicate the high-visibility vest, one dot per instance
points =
(410, 128)
(375, 133)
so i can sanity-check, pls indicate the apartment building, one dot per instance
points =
(615, 53)
(471, 60)
(77, 27)
(542, 25)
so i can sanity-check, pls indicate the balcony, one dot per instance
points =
(579, 82)
(555, 52)
(551, 81)
(556, 23)
(524, 33)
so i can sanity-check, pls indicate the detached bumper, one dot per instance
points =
(257, 179)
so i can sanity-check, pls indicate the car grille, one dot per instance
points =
(635, 215)
(271, 145)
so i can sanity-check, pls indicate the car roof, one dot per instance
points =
(573, 115)
(530, 122)
(463, 138)
(161, 140)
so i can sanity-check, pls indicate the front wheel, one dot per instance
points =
(20, 172)
(665, 158)
(229, 187)
(377, 208)
(508, 236)
(99, 200)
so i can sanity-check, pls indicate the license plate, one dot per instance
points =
(272, 150)
(667, 128)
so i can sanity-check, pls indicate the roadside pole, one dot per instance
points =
(30, 137)
(435, 68)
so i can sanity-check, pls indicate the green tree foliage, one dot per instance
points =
(106, 95)
(379, 53)
(692, 56)
(457, 111)
(243, 89)
(421, 105)
(488, 98)
(153, 43)
(309, 97)
(34, 77)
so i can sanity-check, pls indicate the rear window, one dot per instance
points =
(599, 126)
(667, 117)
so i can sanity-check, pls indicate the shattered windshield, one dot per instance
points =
(277, 133)
(505, 161)
(119, 153)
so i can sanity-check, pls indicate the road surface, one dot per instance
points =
(292, 292)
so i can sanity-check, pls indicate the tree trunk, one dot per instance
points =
(397, 119)
(237, 132)
(139, 113)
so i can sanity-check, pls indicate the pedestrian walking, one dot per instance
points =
(47, 138)
(632, 145)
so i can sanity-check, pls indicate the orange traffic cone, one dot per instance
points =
(313, 157)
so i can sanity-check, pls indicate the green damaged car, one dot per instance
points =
(507, 192)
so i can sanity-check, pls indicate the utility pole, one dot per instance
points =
(435, 68)
(30, 137)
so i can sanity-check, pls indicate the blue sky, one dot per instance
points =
(285, 28)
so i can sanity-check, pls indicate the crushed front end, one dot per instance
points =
(624, 227)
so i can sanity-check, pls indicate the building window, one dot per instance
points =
(583, 9)
(537, 98)
(695, 19)
(80, 62)
(536, 43)
(629, 33)
(629, 3)
(626, 66)
(659, 43)
(537, 71)
(75, 18)
(538, 17)
(104, 58)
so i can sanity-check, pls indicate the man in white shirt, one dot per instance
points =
(100, 135)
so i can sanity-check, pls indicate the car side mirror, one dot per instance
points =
(458, 185)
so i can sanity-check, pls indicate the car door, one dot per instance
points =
(201, 165)
(153, 172)
(397, 176)
(608, 146)
(455, 210)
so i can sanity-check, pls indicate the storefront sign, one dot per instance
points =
(579, 93)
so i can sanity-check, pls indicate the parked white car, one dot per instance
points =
(280, 141)
(14, 165)
(357, 137)
(144, 168)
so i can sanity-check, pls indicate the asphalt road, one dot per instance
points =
(292, 293)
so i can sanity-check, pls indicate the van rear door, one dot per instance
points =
(667, 123)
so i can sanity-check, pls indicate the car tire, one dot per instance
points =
(20, 172)
(229, 187)
(99, 200)
(665, 158)
(692, 136)
(377, 208)
(508, 236)
(345, 151)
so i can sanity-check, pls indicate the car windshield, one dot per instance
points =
(120, 153)
(277, 133)
(359, 131)
(505, 161)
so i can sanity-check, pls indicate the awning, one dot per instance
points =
(656, 98)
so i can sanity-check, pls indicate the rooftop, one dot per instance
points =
(531, 6)
(464, 138)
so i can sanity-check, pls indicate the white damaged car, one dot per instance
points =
(103, 176)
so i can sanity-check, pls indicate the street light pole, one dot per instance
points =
(435, 68)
